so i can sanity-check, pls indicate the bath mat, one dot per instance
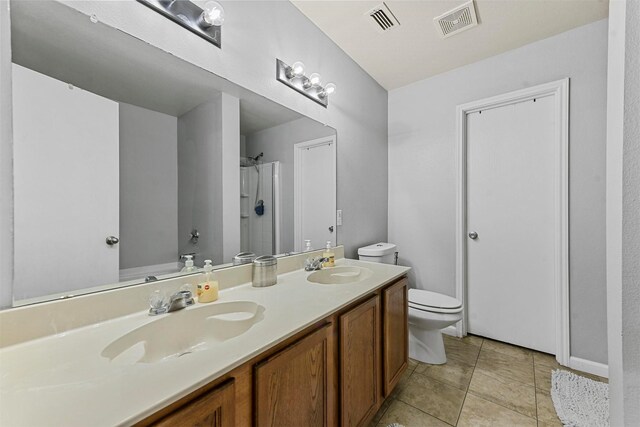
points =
(579, 401)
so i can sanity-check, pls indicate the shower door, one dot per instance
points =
(260, 228)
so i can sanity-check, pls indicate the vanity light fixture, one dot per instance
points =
(206, 23)
(311, 86)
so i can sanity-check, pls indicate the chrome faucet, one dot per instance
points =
(180, 300)
(177, 301)
(312, 264)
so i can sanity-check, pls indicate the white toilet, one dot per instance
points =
(429, 312)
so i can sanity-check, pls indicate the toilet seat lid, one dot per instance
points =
(430, 300)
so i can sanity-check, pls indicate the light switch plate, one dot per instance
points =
(339, 217)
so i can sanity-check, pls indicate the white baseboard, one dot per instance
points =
(450, 330)
(589, 366)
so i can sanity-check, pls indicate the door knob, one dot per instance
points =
(112, 240)
(331, 229)
(473, 235)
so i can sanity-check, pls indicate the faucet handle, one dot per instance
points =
(158, 302)
(308, 263)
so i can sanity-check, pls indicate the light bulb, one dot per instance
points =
(329, 88)
(315, 79)
(297, 69)
(213, 14)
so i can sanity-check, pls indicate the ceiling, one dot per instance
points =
(414, 50)
(66, 45)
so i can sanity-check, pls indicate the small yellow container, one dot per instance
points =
(208, 291)
(329, 255)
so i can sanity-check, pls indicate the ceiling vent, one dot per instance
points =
(456, 20)
(382, 18)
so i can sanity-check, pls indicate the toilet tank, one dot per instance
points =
(378, 252)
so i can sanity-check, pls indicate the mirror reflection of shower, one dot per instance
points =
(259, 205)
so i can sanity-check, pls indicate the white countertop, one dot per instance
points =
(62, 380)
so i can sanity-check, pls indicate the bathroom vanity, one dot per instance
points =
(336, 372)
(296, 353)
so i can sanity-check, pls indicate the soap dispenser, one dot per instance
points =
(329, 255)
(188, 265)
(307, 245)
(208, 291)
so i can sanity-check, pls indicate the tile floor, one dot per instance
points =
(483, 383)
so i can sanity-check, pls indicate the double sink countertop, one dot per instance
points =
(70, 379)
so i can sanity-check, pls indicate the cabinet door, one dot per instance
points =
(214, 409)
(291, 387)
(360, 362)
(395, 336)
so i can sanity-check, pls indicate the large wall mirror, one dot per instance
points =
(127, 158)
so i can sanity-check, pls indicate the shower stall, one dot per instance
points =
(260, 215)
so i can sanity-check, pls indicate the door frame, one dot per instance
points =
(559, 89)
(297, 185)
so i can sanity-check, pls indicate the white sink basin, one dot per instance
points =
(182, 332)
(339, 275)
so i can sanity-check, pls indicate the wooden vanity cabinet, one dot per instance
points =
(293, 387)
(395, 333)
(360, 362)
(215, 408)
(336, 372)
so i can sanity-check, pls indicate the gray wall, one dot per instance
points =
(200, 181)
(422, 167)
(255, 34)
(631, 218)
(277, 145)
(623, 212)
(148, 187)
(6, 160)
(230, 134)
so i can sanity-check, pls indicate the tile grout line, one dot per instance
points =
(424, 412)
(535, 388)
(469, 385)
(505, 407)
(499, 404)
(443, 383)
(393, 398)
(519, 381)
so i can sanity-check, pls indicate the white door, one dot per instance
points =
(66, 186)
(315, 193)
(511, 167)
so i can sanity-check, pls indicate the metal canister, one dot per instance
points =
(244, 258)
(265, 271)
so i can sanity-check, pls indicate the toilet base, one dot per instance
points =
(426, 346)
